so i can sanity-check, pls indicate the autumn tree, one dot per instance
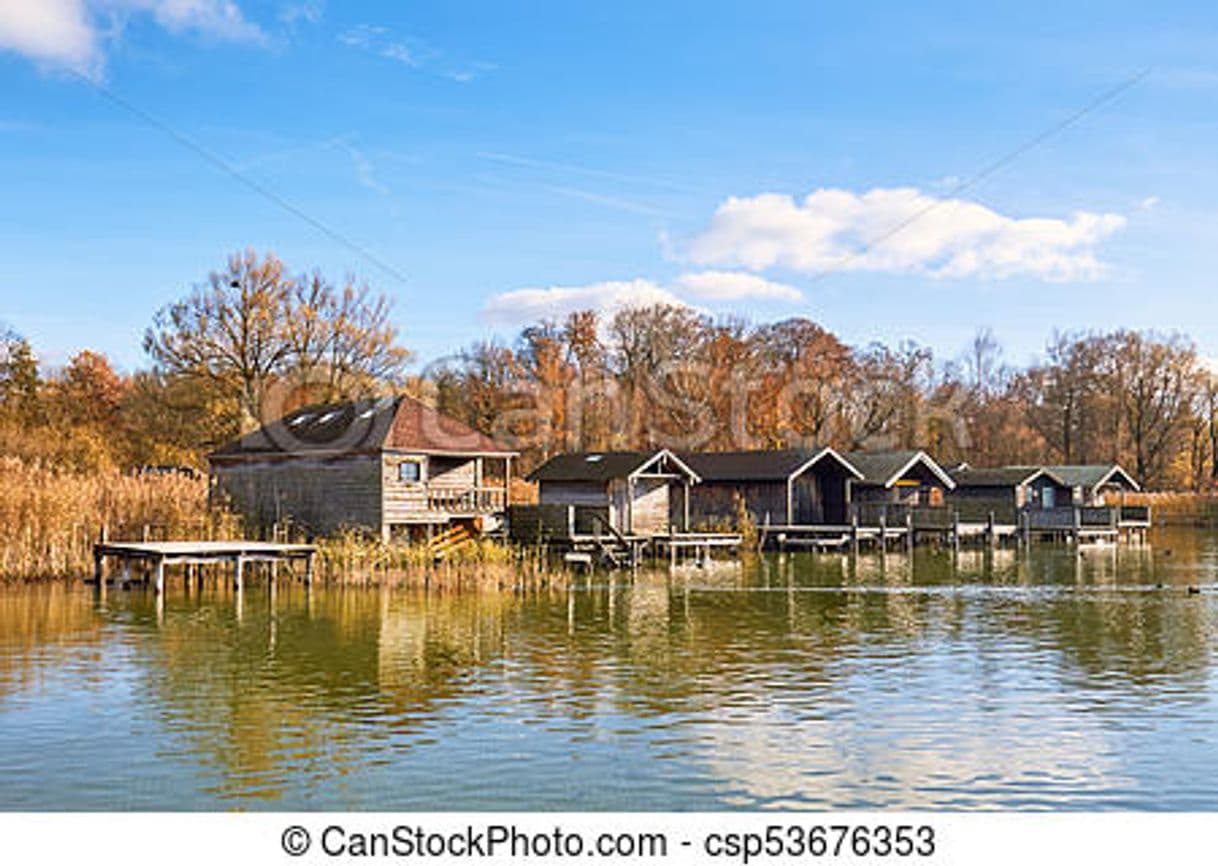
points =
(252, 328)
(1067, 397)
(20, 381)
(594, 403)
(87, 392)
(1157, 378)
(884, 404)
(652, 350)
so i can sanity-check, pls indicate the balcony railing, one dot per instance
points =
(476, 500)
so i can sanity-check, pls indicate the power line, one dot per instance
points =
(223, 165)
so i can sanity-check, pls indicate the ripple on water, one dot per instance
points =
(1033, 686)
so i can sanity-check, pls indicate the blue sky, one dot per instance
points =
(507, 161)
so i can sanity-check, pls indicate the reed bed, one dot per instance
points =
(355, 558)
(50, 517)
(1178, 509)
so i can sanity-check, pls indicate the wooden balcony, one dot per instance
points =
(476, 500)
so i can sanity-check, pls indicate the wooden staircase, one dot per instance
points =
(456, 536)
(615, 550)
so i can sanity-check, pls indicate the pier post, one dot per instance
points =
(956, 531)
(238, 572)
(909, 532)
(883, 533)
(160, 575)
(99, 568)
(1078, 524)
(991, 530)
(308, 575)
(854, 534)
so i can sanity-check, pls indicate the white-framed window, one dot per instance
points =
(410, 471)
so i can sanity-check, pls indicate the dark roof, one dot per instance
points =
(759, 465)
(1095, 475)
(601, 466)
(885, 468)
(362, 426)
(1001, 476)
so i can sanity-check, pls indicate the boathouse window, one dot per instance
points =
(410, 470)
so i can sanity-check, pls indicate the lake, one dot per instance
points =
(1034, 679)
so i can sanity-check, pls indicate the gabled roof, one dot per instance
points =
(362, 426)
(602, 466)
(761, 465)
(1093, 476)
(886, 468)
(1002, 476)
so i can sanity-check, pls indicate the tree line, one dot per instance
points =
(254, 341)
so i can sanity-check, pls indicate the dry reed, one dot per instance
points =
(356, 558)
(1178, 509)
(50, 517)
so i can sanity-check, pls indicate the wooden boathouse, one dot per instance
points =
(1096, 484)
(394, 467)
(639, 493)
(613, 506)
(1048, 502)
(894, 483)
(792, 487)
(1007, 489)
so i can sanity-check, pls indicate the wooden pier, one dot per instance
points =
(159, 555)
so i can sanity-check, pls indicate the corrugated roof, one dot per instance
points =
(758, 465)
(1000, 476)
(1093, 475)
(884, 468)
(362, 426)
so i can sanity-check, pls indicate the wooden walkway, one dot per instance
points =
(160, 554)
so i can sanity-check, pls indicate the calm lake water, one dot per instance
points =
(992, 681)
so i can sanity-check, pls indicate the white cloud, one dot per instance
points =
(218, 18)
(522, 306)
(304, 11)
(529, 305)
(67, 34)
(1149, 203)
(736, 286)
(899, 230)
(51, 32)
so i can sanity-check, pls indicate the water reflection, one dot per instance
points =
(1018, 679)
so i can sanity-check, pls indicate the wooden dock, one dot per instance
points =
(158, 555)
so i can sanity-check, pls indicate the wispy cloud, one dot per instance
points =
(18, 126)
(572, 168)
(837, 229)
(364, 169)
(303, 12)
(609, 201)
(71, 34)
(365, 172)
(412, 52)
